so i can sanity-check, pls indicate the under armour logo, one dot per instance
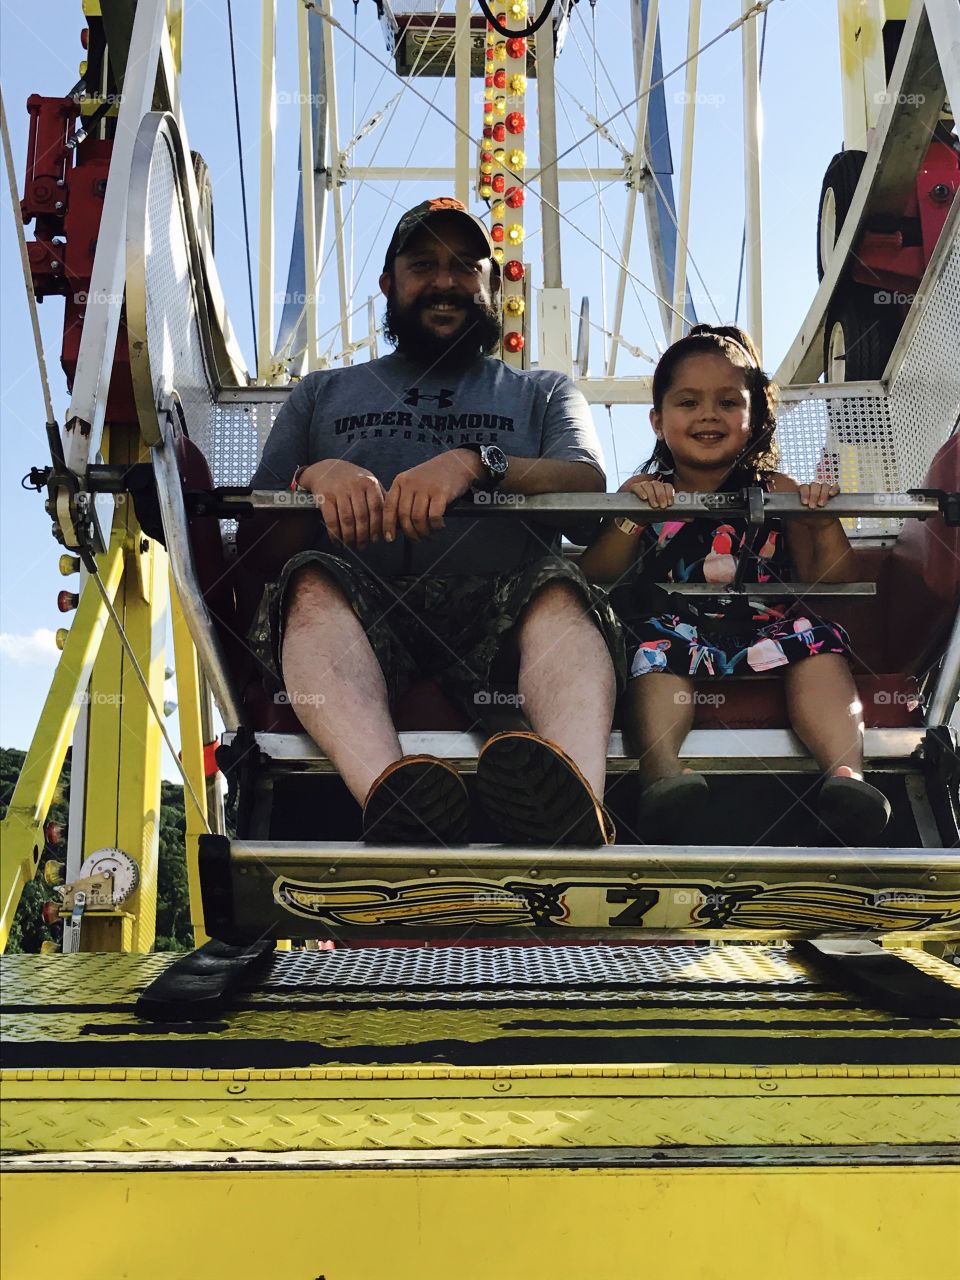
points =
(443, 401)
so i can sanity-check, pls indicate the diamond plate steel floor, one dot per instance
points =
(469, 1006)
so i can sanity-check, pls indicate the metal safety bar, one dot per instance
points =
(753, 505)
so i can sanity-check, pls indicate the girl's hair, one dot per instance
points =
(729, 340)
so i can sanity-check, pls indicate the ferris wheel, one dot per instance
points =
(559, 137)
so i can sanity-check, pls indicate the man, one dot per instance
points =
(396, 588)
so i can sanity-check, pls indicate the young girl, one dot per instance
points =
(713, 416)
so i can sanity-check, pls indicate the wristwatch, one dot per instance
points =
(494, 461)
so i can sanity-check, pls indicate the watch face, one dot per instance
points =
(495, 460)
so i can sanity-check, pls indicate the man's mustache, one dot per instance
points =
(445, 299)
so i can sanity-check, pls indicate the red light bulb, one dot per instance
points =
(516, 122)
(515, 197)
(500, 78)
(488, 81)
(496, 233)
(499, 133)
(513, 342)
(516, 47)
(514, 270)
(499, 182)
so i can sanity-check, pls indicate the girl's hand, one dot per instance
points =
(653, 492)
(817, 495)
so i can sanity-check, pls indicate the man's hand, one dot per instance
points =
(418, 498)
(350, 499)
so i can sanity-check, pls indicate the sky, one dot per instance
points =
(40, 52)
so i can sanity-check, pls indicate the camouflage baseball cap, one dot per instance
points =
(414, 218)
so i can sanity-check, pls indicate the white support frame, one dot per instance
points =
(310, 268)
(686, 174)
(461, 60)
(85, 417)
(268, 126)
(752, 144)
(335, 179)
(637, 166)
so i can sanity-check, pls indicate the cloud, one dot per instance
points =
(39, 648)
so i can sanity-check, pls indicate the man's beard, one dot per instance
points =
(404, 327)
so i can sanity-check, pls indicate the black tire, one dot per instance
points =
(205, 189)
(836, 196)
(862, 327)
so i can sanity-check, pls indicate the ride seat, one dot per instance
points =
(918, 578)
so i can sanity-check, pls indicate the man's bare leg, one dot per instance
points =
(335, 683)
(567, 680)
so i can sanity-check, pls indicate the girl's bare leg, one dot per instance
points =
(826, 714)
(659, 713)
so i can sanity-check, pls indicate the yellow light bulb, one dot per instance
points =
(500, 52)
(500, 106)
(486, 191)
(517, 85)
(497, 253)
(515, 233)
(486, 168)
(516, 160)
(499, 211)
(500, 156)
(514, 305)
(518, 9)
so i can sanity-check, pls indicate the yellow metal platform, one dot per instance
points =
(484, 1112)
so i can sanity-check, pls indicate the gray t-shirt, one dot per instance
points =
(391, 414)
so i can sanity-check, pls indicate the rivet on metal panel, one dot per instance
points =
(768, 1086)
(236, 1088)
(502, 1086)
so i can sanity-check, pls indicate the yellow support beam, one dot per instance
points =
(124, 744)
(22, 839)
(191, 755)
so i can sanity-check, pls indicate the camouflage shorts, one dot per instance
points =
(456, 630)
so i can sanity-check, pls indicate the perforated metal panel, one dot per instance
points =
(925, 388)
(533, 967)
(174, 340)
